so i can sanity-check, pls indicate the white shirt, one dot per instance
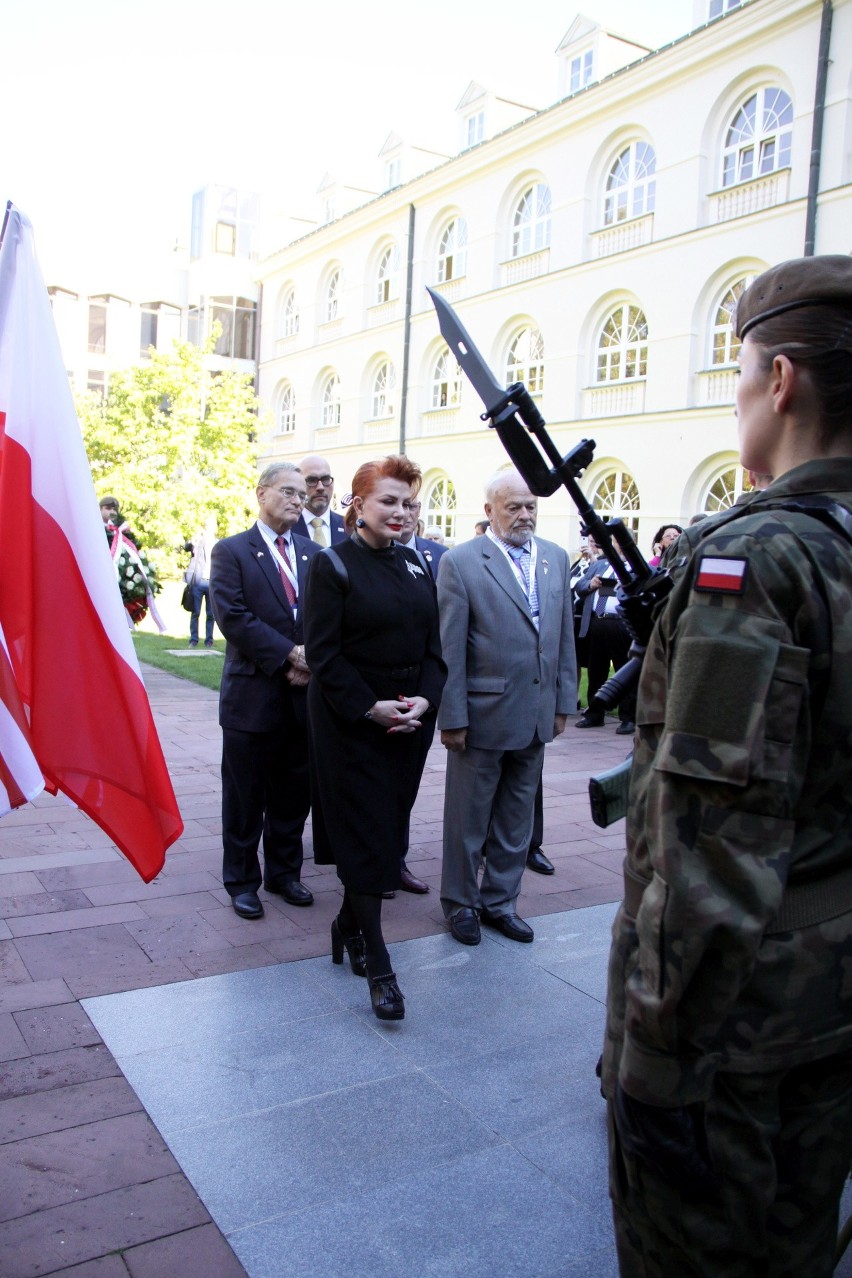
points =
(270, 536)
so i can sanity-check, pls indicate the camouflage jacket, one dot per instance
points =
(739, 826)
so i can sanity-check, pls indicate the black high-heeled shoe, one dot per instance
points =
(387, 998)
(354, 948)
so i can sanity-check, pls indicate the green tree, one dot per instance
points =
(175, 443)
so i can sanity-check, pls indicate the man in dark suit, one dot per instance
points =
(318, 521)
(430, 550)
(257, 581)
(608, 641)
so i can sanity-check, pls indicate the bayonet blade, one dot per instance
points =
(462, 345)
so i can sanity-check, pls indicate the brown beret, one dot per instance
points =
(804, 281)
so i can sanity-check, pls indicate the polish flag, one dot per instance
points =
(20, 775)
(75, 703)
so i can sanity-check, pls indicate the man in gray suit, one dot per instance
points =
(507, 633)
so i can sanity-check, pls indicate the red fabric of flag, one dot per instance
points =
(91, 728)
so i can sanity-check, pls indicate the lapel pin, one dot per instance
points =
(544, 566)
(260, 554)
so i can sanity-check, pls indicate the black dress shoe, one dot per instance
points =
(409, 883)
(387, 998)
(626, 728)
(247, 905)
(464, 926)
(294, 892)
(536, 860)
(509, 924)
(590, 721)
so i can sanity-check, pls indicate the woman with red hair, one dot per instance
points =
(373, 646)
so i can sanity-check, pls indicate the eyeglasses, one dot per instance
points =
(290, 493)
(325, 480)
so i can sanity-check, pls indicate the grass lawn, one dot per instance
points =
(153, 648)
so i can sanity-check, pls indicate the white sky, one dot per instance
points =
(116, 111)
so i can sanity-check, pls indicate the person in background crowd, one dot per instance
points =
(728, 1055)
(373, 646)
(607, 640)
(663, 538)
(137, 578)
(197, 577)
(318, 521)
(480, 528)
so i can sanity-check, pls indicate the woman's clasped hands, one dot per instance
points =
(402, 715)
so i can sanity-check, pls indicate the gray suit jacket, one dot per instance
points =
(506, 681)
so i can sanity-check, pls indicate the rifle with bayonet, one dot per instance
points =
(523, 432)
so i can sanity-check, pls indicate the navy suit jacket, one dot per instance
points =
(431, 552)
(338, 532)
(252, 611)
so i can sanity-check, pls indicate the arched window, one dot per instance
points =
(441, 507)
(725, 489)
(387, 276)
(452, 251)
(631, 186)
(331, 401)
(384, 385)
(333, 294)
(525, 361)
(446, 381)
(290, 314)
(623, 346)
(286, 410)
(725, 345)
(617, 497)
(531, 221)
(759, 137)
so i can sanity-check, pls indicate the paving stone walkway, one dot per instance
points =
(90, 1189)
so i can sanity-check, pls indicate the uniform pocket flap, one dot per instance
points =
(704, 758)
(486, 684)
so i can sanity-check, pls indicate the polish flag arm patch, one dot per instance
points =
(721, 574)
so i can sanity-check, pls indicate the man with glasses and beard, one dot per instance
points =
(318, 521)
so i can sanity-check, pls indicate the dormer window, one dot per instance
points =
(475, 128)
(581, 71)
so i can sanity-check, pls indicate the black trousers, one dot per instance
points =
(609, 642)
(265, 790)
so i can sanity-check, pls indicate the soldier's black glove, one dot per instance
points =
(638, 611)
(637, 615)
(671, 1141)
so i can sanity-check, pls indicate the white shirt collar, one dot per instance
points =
(270, 535)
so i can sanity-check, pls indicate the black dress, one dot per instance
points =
(371, 636)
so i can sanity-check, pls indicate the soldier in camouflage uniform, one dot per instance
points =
(728, 1056)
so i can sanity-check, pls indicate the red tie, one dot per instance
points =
(285, 580)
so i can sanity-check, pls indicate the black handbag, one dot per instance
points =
(186, 598)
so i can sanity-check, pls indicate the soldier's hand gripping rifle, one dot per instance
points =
(523, 433)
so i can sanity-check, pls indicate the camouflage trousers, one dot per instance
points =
(781, 1144)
